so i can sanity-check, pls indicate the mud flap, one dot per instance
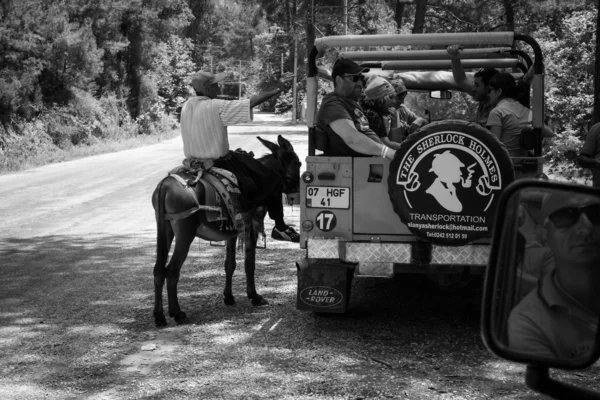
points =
(324, 285)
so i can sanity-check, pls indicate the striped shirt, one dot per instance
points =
(204, 124)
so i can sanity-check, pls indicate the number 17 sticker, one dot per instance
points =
(326, 221)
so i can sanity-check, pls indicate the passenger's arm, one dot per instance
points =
(357, 141)
(587, 162)
(528, 77)
(396, 131)
(396, 134)
(464, 81)
(494, 123)
(392, 145)
(547, 132)
(417, 123)
(586, 158)
(496, 130)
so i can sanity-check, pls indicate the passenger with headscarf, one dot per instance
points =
(376, 106)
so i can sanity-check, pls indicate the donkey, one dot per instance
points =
(171, 197)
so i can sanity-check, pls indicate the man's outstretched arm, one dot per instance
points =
(272, 91)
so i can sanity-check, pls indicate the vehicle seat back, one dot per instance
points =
(527, 140)
(321, 139)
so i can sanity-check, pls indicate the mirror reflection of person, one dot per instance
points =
(559, 319)
(537, 258)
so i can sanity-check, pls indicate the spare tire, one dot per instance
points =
(445, 181)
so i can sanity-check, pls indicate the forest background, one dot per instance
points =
(78, 73)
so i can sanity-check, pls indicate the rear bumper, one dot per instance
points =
(387, 259)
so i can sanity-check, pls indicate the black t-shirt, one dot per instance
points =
(378, 122)
(334, 107)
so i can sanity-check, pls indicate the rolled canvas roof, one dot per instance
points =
(415, 80)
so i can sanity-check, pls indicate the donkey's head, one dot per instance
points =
(285, 162)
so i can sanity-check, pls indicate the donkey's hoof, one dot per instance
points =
(180, 317)
(160, 320)
(259, 301)
(229, 300)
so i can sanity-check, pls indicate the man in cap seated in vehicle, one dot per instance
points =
(342, 119)
(476, 86)
(560, 318)
(204, 121)
(404, 120)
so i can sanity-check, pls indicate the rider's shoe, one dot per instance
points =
(288, 235)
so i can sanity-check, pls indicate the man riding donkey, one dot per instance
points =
(204, 121)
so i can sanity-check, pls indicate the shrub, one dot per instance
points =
(557, 163)
(28, 141)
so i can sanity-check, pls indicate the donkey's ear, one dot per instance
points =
(285, 144)
(272, 146)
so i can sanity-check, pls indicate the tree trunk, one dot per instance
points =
(251, 40)
(596, 117)
(198, 8)
(310, 29)
(288, 17)
(398, 14)
(510, 15)
(420, 16)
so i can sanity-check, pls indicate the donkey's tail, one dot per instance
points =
(162, 245)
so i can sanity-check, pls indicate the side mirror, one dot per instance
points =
(541, 304)
(440, 94)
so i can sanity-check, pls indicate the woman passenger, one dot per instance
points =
(509, 117)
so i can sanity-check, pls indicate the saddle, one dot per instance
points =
(221, 192)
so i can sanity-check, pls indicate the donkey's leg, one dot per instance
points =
(250, 266)
(185, 232)
(160, 274)
(229, 270)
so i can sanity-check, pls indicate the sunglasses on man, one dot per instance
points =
(569, 216)
(355, 78)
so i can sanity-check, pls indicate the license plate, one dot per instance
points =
(327, 197)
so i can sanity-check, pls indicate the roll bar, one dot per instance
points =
(470, 39)
(409, 65)
(494, 52)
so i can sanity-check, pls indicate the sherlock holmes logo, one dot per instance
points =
(445, 185)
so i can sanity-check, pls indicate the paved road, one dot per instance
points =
(110, 194)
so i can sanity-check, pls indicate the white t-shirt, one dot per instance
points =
(204, 124)
(511, 116)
